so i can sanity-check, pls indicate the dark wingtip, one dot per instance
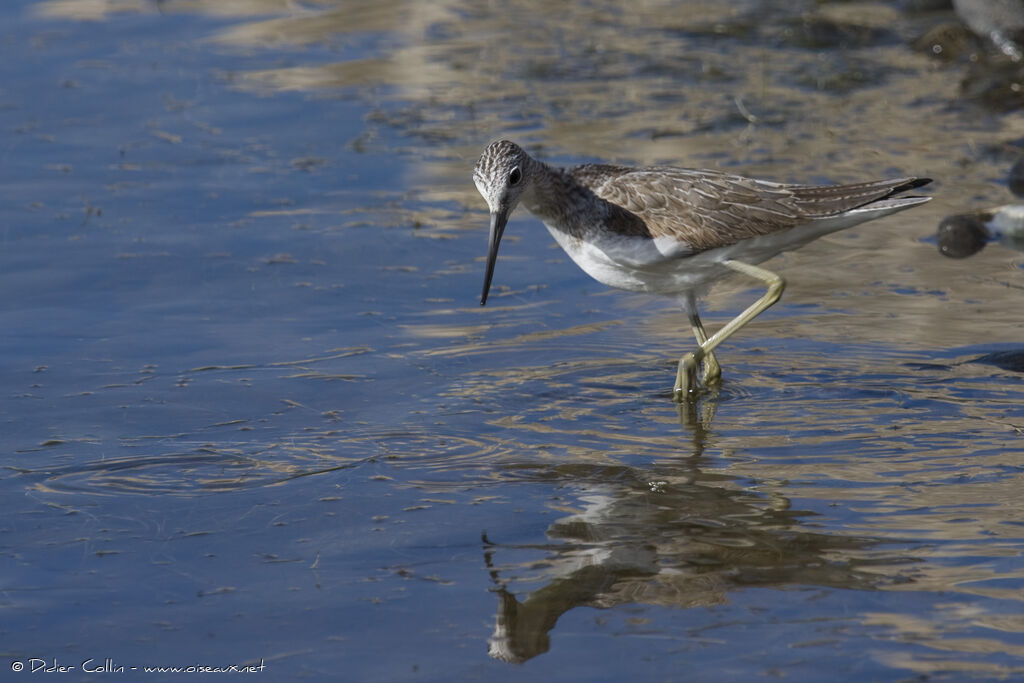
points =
(911, 184)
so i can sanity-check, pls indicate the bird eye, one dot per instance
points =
(515, 176)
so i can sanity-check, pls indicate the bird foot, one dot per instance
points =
(712, 375)
(686, 378)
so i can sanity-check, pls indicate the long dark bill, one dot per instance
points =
(498, 221)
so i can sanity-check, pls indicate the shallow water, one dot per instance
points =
(254, 413)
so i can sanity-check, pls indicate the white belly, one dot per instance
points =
(639, 264)
(664, 266)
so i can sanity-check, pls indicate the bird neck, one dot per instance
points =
(569, 206)
(561, 202)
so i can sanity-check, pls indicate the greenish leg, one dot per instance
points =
(712, 370)
(686, 375)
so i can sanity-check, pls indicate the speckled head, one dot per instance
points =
(501, 175)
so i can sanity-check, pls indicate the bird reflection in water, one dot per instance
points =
(671, 542)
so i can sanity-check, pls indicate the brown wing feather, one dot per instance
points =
(708, 209)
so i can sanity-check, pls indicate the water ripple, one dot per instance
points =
(211, 468)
